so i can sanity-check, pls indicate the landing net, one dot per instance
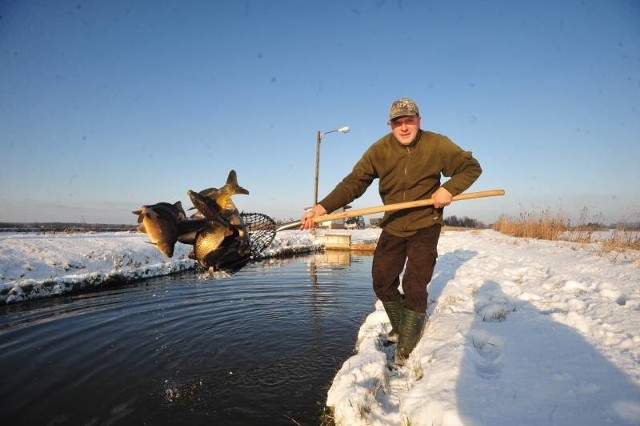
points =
(261, 229)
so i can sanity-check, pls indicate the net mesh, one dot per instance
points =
(261, 229)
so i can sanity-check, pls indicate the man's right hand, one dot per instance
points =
(307, 221)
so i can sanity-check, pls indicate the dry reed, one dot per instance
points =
(548, 225)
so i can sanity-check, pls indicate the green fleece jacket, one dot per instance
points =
(407, 173)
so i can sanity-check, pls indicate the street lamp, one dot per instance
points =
(319, 135)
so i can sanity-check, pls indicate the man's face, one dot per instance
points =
(405, 128)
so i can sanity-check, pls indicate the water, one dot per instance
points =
(260, 347)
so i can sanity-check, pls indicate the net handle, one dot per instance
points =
(391, 207)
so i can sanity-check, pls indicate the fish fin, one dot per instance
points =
(140, 215)
(187, 238)
(241, 190)
(232, 181)
(181, 213)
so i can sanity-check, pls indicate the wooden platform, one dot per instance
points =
(336, 241)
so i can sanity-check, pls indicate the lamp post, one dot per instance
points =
(319, 135)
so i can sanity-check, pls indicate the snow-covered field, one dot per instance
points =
(520, 331)
(34, 265)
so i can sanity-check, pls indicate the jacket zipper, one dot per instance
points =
(404, 178)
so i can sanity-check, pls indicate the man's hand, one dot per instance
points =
(441, 198)
(306, 219)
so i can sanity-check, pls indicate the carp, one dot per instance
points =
(223, 242)
(160, 222)
(217, 231)
(222, 197)
(209, 209)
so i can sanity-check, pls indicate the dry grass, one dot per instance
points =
(553, 226)
(545, 225)
(328, 417)
(622, 239)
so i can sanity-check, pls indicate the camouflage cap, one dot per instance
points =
(403, 106)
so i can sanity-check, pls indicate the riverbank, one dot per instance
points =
(39, 265)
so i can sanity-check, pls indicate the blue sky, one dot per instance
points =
(106, 106)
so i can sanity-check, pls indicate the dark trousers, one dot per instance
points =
(417, 255)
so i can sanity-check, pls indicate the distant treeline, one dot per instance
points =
(63, 227)
(453, 221)
(463, 222)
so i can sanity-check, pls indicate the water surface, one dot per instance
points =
(259, 347)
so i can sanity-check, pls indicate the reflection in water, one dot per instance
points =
(321, 268)
(258, 347)
(332, 258)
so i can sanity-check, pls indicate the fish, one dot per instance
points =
(230, 254)
(222, 196)
(207, 241)
(214, 229)
(160, 222)
(223, 243)
(208, 208)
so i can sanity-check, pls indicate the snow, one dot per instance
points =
(33, 265)
(520, 331)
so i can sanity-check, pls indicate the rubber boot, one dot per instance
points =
(394, 312)
(410, 330)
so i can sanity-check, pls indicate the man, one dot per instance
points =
(409, 163)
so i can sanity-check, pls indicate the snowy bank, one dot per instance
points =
(33, 265)
(37, 265)
(520, 332)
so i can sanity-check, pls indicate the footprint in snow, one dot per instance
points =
(486, 354)
(491, 305)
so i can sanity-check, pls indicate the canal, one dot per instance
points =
(259, 347)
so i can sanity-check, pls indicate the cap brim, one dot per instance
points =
(402, 115)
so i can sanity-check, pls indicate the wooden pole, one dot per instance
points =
(391, 207)
(401, 206)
